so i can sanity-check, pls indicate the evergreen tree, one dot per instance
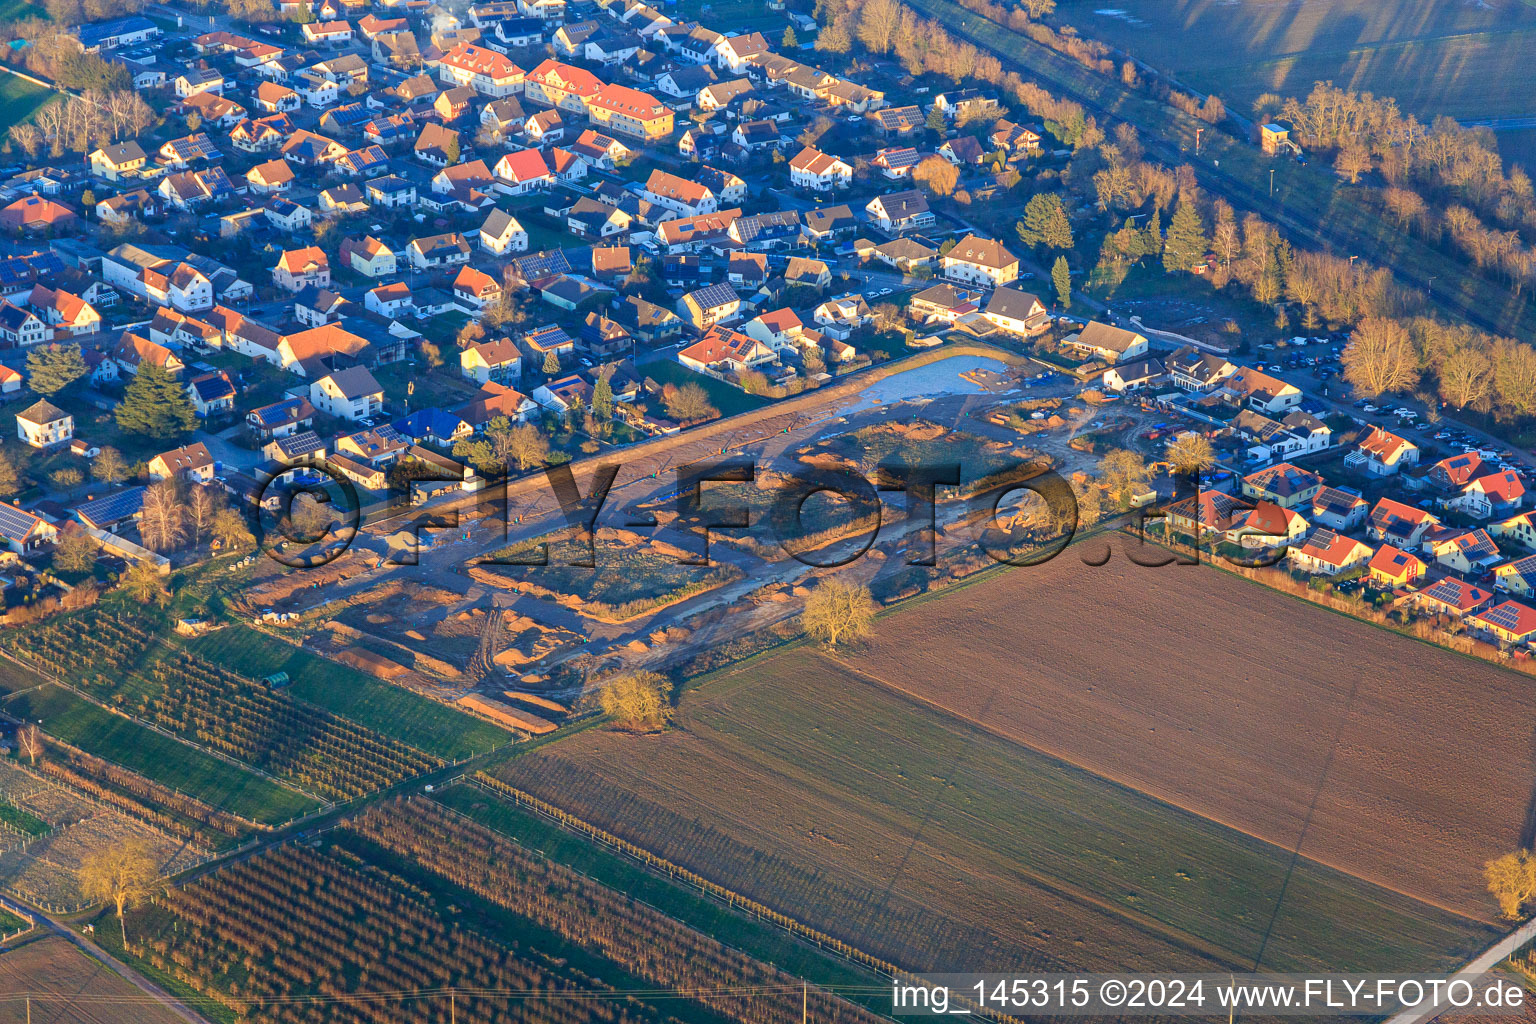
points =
(1061, 277)
(1186, 242)
(937, 122)
(602, 398)
(1045, 223)
(790, 40)
(154, 405)
(551, 362)
(53, 368)
(1152, 242)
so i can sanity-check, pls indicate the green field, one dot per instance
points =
(19, 99)
(729, 400)
(9, 922)
(82, 724)
(923, 839)
(22, 821)
(395, 712)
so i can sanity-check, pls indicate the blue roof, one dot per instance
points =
(113, 508)
(427, 423)
(90, 35)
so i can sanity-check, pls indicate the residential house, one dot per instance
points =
(723, 350)
(1104, 341)
(299, 268)
(710, 305)
(1382, 453)
(502, 233)
(119, 161)
(1017, 312)
(1285, 484)
(496, 360)
(819, 172)
(1399, 524)
(900, 212)
(43, 425)
(1493, 494)
(1510, 622)
(350, 394)
(1339, 508)
(369, 257)
(980, 261)
(191, 463)
(1394, 567)
(1329, 554)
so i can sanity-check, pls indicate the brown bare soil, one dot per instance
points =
(1242, 705)
(67, 987)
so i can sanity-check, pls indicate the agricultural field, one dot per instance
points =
(392, 711)
(76, 721)
(1468, 60)
(414, 896)
(928, 840)
(67, 987)
(1263, 730)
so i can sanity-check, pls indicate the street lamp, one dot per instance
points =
(1271, 182)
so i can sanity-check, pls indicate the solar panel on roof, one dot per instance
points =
(113, 507)
(14, 523)
(301, 444)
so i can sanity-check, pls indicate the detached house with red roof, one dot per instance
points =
(299, 268)
(1496, 494)
(65, 312)
(1330, 554)
(1396, 523)
(1382, 453)
(819, 172)
(522, 171)
(1510, 622)
(1266, 525)
(476, 288)
(1209, 512)
(1451, 596)
(1394, 567)
(190, 462)
(369, 257)
(723, 350)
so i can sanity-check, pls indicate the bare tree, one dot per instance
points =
(202, 506)
(639, 702)
(839, 610)
(30, 739)
(163, 523)
(120, 874)
(1380, 358)
(1466, 377)
(1190, 452)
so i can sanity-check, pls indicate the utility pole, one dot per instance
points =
(805, 1002)
(453, 1006)
(1198, 133)
(1271, 182)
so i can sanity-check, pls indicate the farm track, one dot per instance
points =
(1344, 226)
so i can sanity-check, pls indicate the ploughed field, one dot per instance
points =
(810, 783)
